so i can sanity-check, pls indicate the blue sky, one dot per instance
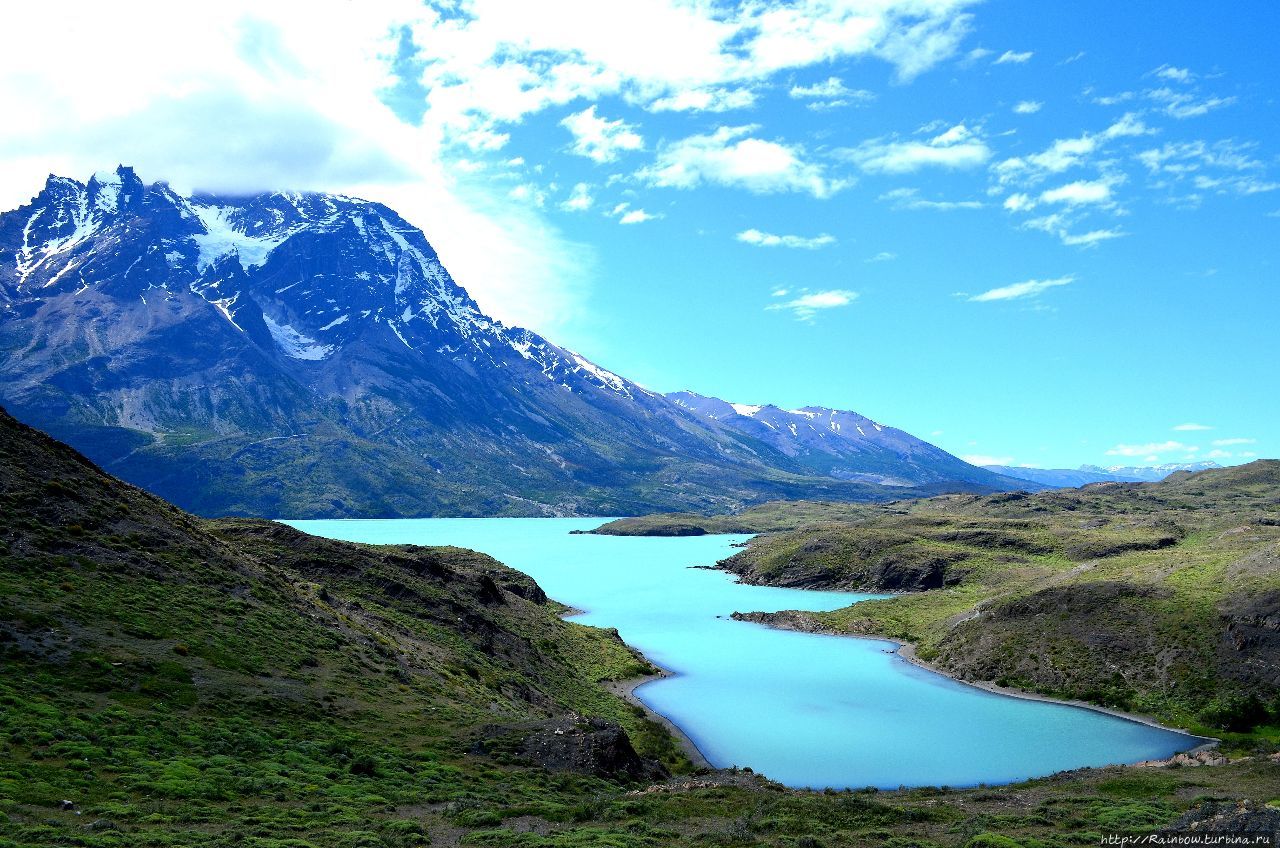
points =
(1040, 233)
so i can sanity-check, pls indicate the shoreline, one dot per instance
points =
(907, 652)
(626, 690)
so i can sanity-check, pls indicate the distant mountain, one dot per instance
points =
(1066, 478)
(1153, 473)
(840, 444)
(300, 355)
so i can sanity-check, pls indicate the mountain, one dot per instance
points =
(1154, 473)
(1068, 478)
(309, 355)
(836, 443)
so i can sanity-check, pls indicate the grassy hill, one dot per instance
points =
(166, 680)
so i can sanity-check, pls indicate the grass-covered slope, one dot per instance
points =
(155, 668)
(1162, 598)
(166, 681)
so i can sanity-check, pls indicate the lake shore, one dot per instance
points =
(626, 689)
(790, 620)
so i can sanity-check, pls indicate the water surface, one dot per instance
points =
(804, 709)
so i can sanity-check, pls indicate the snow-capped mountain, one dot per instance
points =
(836, 443)
(1070, 478)
(308, 354)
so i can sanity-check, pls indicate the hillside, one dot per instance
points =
(168, 680)
(309, 355)
(1161, 598)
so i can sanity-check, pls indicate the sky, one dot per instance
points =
(1034, 234)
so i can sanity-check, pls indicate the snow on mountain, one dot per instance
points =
(1065, 478)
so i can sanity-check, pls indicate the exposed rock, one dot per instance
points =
(590, 746)
(1229, 817)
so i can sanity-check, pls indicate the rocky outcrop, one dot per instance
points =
(589, 746)
(1229, 817)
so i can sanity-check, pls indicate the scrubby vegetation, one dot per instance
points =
(171, 681)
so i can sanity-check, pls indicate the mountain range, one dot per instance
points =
(1069, 478)
(287, 354)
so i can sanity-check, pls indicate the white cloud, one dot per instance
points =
(1010, 57)
(731, 157)
(831, 94)
(910, 199)
(705, 100)
(832, 87)
(986, 459)
(1028, 107)
(1060, 225)
(1169, 72)
(1191, 427)
(957, 147)
(762, 239)
(1150, 451)
(1079, 192)
(636, 216)
(807, 304)
(579, 200)
(1223, 443)
(599, 139)
(496, 61)
(1090, 238)
(1183, 104)
(883, 256)
(1019, 203)
(1016, 291)
(1218, 454)
(1065, 153)
(528, 192)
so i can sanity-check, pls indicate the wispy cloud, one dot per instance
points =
(1223, 443)
(1169, 72)
(883, 256)
(599, 139)
(1181, 104)
(1010, 57)
(986, 459)
(763, 239)
(1018, 291)
(958, 147)
(1028, 107)
(730, 156)
(1079, 192)
(579, 200)
(808, 303)
(910, 199)
(1065, 153)
(1061, 225)
(1151, 450)
(705, 100)
(636, 216)
(830, 94)
(1191, 427)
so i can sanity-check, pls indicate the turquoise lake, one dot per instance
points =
(805, 710)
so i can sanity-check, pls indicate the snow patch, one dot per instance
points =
(222, 237)
(335, 322)
(296, 345)
(746, 409)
